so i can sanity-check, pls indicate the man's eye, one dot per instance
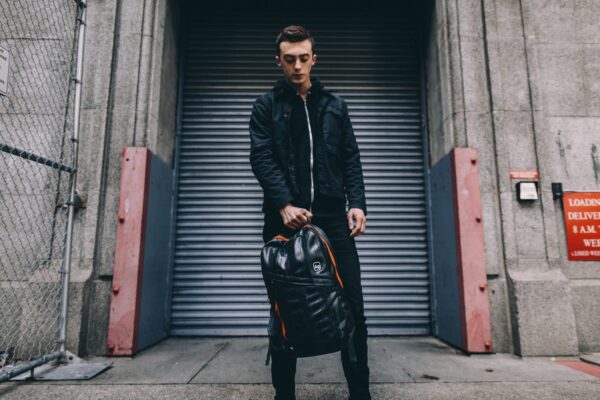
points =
(289, 59)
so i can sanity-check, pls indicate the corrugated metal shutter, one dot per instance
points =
(373, 64)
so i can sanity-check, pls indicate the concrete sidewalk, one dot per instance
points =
(401, 368)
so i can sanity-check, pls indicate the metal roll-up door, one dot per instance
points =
(371, 61)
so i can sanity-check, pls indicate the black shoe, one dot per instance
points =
(284, 398)
(358, 398)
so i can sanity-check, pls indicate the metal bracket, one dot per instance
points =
(77, 204)
(68, 367)
(7, 357)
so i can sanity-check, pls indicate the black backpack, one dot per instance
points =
(310, 314)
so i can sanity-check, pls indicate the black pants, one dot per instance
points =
(283, 369)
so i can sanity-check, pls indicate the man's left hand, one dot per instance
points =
(357, 221)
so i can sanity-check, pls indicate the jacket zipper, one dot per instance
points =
(312, 192)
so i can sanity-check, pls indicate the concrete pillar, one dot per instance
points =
(129, 99)
(543, 320)
(459, 114)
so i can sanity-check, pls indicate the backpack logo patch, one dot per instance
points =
(317, 266)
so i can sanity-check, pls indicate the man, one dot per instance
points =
(305, 157)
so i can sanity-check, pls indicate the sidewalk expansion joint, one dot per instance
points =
(208, 362)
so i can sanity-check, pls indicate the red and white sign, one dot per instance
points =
(4, 61)
(529, 174)
(582, 224)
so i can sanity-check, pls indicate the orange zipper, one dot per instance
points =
(280, 319)
(328, 250)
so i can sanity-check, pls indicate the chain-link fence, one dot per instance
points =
(38, 52)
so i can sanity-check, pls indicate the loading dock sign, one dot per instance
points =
(4, 60)
(582, 224)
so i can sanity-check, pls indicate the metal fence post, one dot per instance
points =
(66, 270)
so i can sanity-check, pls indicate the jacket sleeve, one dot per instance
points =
(353, 176)
(268, 172)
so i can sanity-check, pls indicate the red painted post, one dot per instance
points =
(473, 287)
(129, 251)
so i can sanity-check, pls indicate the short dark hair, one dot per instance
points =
(294, 33)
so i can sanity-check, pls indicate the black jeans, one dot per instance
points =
(283, 369)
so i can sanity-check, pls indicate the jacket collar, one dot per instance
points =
(282, 86)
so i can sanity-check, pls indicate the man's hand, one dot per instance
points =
(294, 217)
(356, 221)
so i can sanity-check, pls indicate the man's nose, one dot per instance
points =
(298, 64)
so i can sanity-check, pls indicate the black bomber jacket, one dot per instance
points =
(272, 157)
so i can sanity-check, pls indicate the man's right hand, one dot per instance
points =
(294, 217)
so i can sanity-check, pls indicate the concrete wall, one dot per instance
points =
(129, 99)
(516, 80)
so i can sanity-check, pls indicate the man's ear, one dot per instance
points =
(314, 57)
(277, 61)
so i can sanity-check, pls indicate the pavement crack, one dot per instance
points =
(226, 344)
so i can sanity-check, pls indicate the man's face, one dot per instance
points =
(296, 59)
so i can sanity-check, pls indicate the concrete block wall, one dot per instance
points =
(516, 80)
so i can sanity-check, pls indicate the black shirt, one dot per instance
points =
(322, 205)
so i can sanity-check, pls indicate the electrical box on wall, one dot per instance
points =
(527, 190)
(527, 185)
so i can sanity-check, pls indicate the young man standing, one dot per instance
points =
(305, 157)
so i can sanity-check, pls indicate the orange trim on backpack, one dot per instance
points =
(280, 319)
(281, 237)
(332, 258)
